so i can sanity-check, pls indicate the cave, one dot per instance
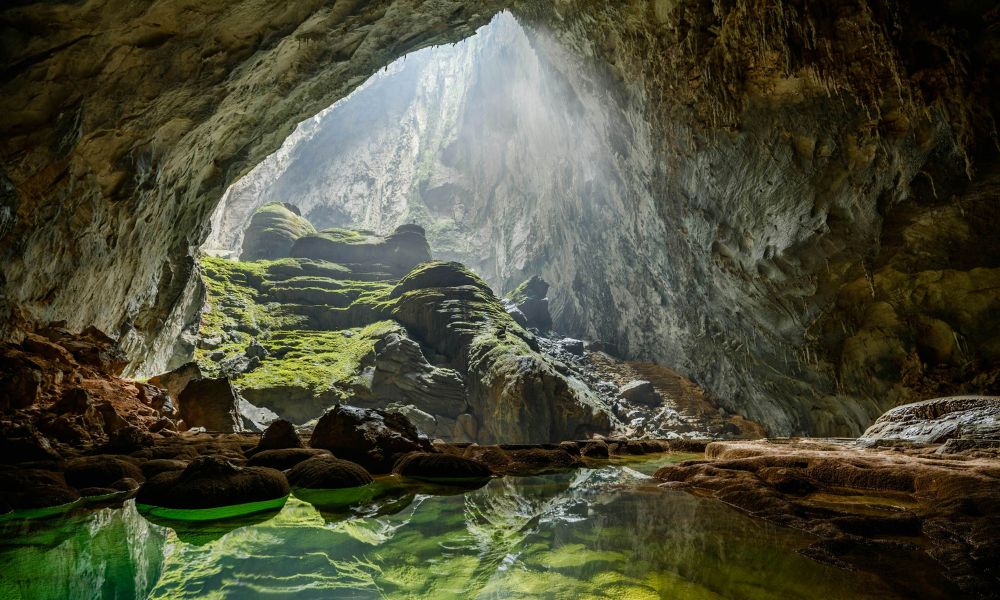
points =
(500, 299)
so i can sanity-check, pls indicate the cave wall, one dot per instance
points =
(124, 124)
(770, 139)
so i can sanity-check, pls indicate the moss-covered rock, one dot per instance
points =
(273, 229)
(394, 254)
(385, 325)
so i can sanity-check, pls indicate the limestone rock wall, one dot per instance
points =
(123, 125)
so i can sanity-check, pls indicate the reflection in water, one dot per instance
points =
(591, 533)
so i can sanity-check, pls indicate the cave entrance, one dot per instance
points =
(495, 145)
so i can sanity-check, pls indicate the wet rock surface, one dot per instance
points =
(901, 499)
(284, 458)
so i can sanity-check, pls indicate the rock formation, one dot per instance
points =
(383, 328)
(938, 420)
(529, 302)
(63, 390)
(855, 499)
(677, 201)
(272, 231)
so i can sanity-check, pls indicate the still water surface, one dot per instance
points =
(606, 532)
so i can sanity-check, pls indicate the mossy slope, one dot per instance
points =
(318, 323)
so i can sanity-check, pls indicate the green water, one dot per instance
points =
(607, 532)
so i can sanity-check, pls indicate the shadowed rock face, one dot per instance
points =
(765, 158)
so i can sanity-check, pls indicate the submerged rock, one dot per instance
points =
(210, 482)
(22, 489)
(867, 497)
(372, 438)
(937, 420)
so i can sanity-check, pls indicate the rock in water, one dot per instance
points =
(33, 488)
(441, 467)
(285, 458)
(273, 229)
(101, 471)
(641, 392)
(210, 403)
(372, 438)
(938, 420)
(210, 482)
(530, 299)
(328, 473)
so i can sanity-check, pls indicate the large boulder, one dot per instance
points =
(175, 381)
(279, 435)
(210, 482)
(328, 473)
(436, 467)
(530, 299)
(640, 392)
(938, 420)
(372, 438)
(273, 229)
(212, 404)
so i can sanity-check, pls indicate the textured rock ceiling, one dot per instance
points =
(780, 134)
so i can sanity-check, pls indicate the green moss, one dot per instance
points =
(347, 236)
(320, 361)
